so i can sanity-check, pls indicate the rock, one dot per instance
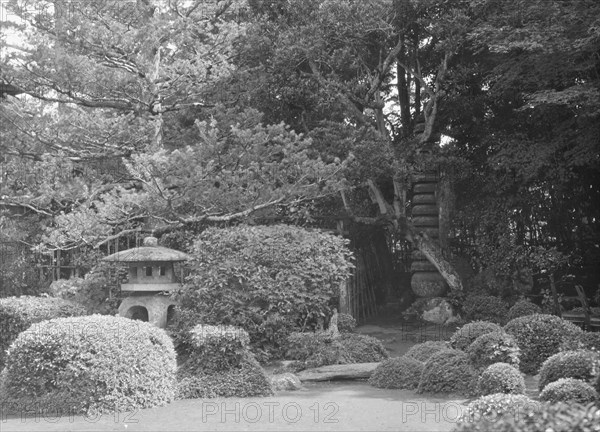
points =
(438, 311)
(338, 372)
(285, 381)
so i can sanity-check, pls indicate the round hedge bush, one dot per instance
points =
(539, 336)
(423, 351)
(485, 308)
(493, 406)
(448, 371)
(501, 378)
(580, 364)
(90, 364)
(18, 313)
(494, 347)
(346, 323)
(221, 365)
(466, 335)
(569, 390)
(523, 308)
(584, 341)
(397, 373)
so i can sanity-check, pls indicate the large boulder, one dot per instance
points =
(438, 310)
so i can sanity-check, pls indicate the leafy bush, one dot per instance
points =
(346, 323)
(569, 390)
(489, 408)
(582, 341)
(448, 371)
(466, 335)
(397, 373)
(539, 336)
(220, 365)
(501, 378)
(316, 349)
(18, 313)
(92, 363)
(494, 347)
(485, 308)
(535, 417)
(581, 364)
(269, 280)
(523, 308)
(423, 351)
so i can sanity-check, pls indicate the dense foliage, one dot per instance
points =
(18, 313)
(581, 364)
(539, 337)
(448, 371)
(584, 341)
(523, 307)
(485, 308)
(500, 378)
(493, 347)
(423, 351)
(466, 335)
(267, 280)
(569, 390)
(85, 364)
(397, 373)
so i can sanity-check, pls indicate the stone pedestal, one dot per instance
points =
(156, 307)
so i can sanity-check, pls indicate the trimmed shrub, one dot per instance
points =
(569, 390)
(538, 417)
(220, 365)
(397, 373)
(424, 351)
(523, 308)
(539, 336)
(491, 407)
(18, 313)
(494, 347)
(581, 364)
(583, 341)
(320, 349)
(501, 378)
(90, 364)
(466, 335)
(485, 308)
(268, 280)
(346, 323)
(448, 371)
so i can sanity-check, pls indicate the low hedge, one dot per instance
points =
(18, 313)
(539, 336)
(569, 390)
(501, 378)
(523, 308)
(448, 371)
(485, 308)
(466, 335)
(397, 373)
(535, 417)
(580, 364)
(494, 347)
(221, 365)
(90, 364)
(423, 351)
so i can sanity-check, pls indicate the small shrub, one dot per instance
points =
(537, 417)
(485, 308)
(501, 378)
(316, 349)
(491, 407)
(92, 363)
(583, 341)
(18, 313)
(448, 371)
(494, 347)
(569, 390)
(220, 365)
(539, 336)
(581, 364)
(346, 323)
(397, 373)
(466, 335)
(523, 308)
(423, 351)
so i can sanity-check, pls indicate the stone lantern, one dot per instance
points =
(151, 273)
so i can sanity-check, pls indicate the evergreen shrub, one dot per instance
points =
(580, 364)
(523, 308)
(569, 390)
(397, 373)
(494, 347)
(485, 308)
(423, 351)
(501, 378)
(448, 371)
(466, 335)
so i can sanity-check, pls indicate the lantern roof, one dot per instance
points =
(150, 251)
